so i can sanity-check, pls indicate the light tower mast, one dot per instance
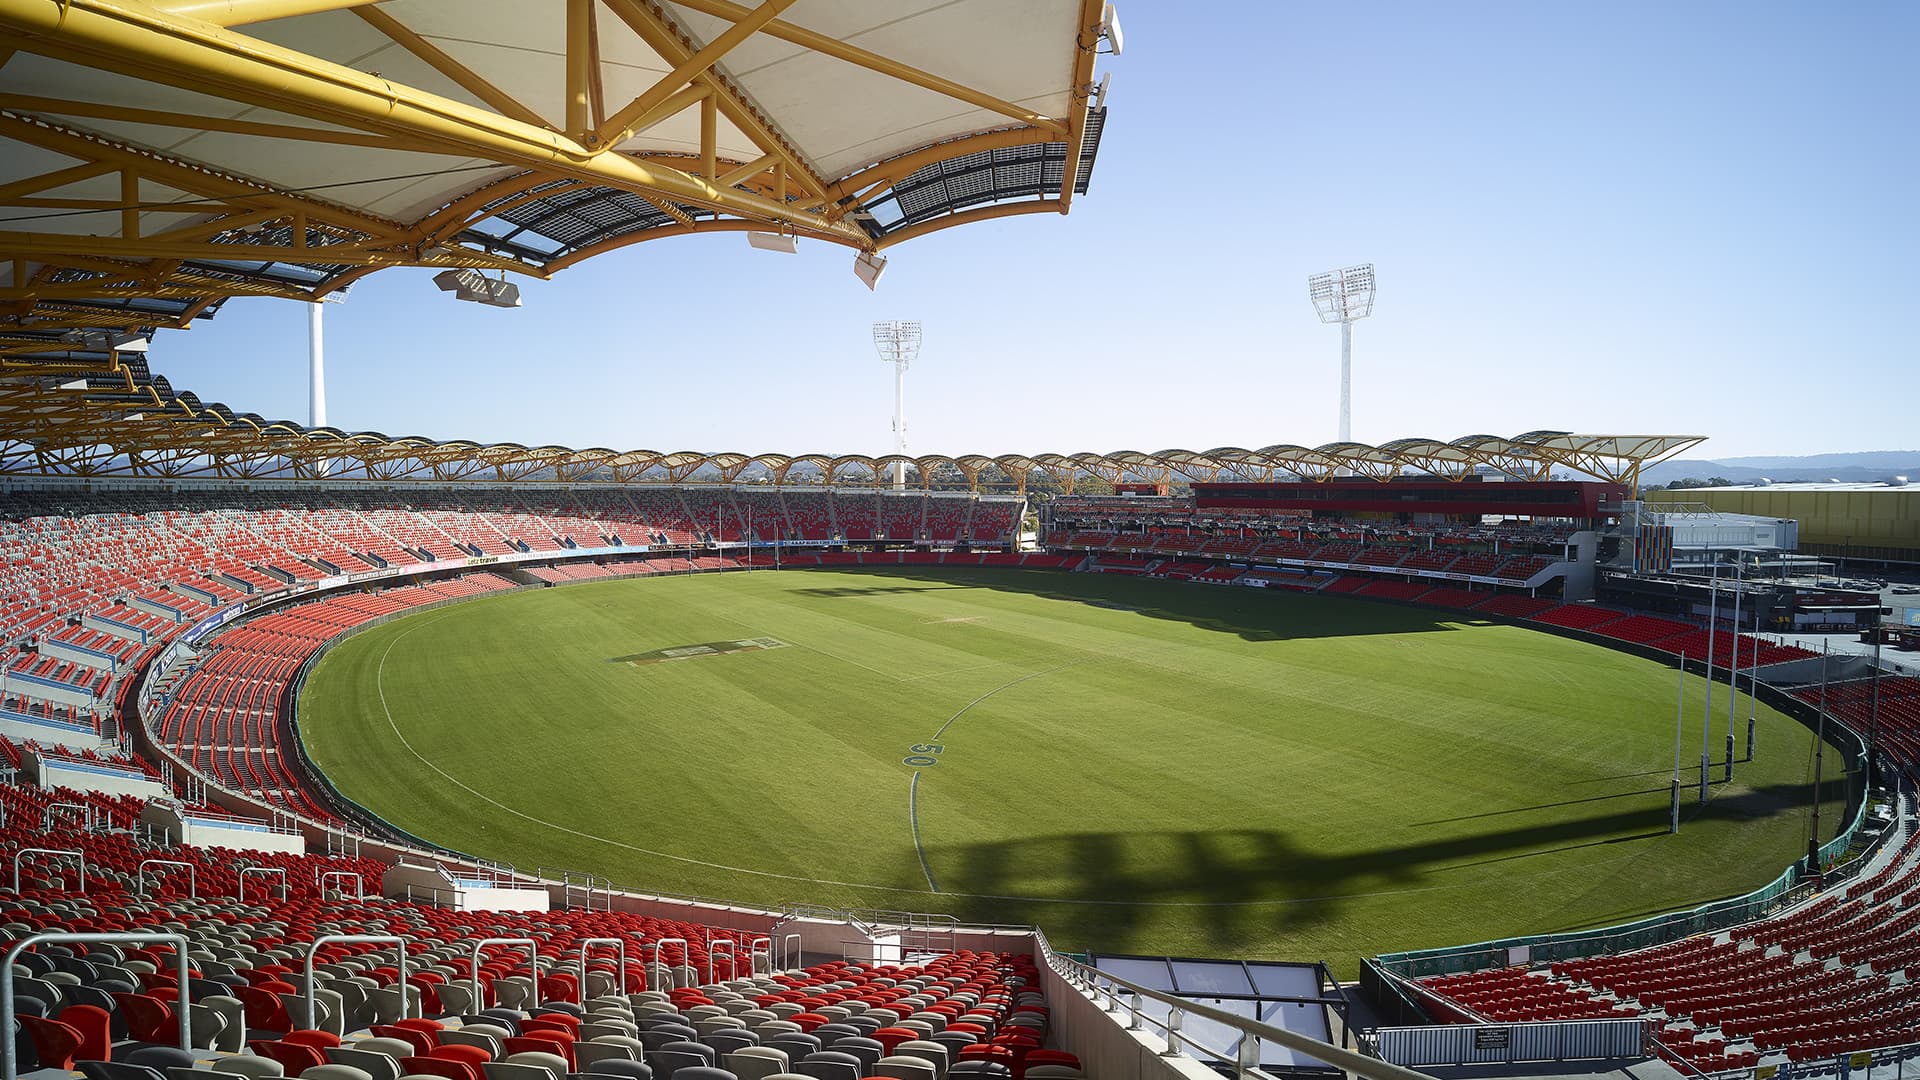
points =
(317, 367)
(899, 344)
(1343, 296)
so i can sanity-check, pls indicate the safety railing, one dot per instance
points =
(262, 871)
(54, 810)
(756, 951)
(660, 957)
(620, 972)
(193, 884)
(9, 1064)
(533, 965)
(733, 955)
(1111, 993)
(73, 853)
(313, 949)
(321, 878)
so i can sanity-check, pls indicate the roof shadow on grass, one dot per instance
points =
(1250, 614)
(1239, 885)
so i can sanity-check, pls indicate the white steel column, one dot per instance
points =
(316, 369)
(1346, 381)
(900, 424)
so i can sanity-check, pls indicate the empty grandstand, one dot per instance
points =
(192, 896)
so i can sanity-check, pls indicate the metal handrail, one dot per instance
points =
(533, 965)
(8, 1065)
(193, 886)
(242, 885)
(399, 944)
(787, 957)
(1090, 978)
(673, 971)
(24, 852)
(620, 973)
(754, 951)
(359, 883)
(733, 955)
(86, 815)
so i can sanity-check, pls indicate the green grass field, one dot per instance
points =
(1138, 766)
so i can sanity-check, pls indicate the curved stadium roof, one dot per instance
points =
(159, 157)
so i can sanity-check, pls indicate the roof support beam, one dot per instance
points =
(709, 137)
(46, 181)
(750, 169)
(241, 12)
(402, 35)
(581, 61)
(194, 122)
(853, 54)
(689, 69)
(149, 45)
(50, 246)
(1079, 95)
(185, 177)
(615, 131)
(978, 213)
(665, 39)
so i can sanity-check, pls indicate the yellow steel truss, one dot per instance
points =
(281, 93)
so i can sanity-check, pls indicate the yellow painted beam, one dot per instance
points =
(146, 44)
(965, 217)
(664, 39)
(1080, 96)
(710, 138)
(750, 169)
(436, 58)
(130, 203)
(872, 61)
(50, 246)
(580, 64)
(46, 181)
(241, 12)
(195, 122)
(689, 69)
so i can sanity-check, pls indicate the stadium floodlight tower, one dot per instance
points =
(899, 344)
(1342, 296)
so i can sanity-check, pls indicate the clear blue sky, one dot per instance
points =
(1660, 217)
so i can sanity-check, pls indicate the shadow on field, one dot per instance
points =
(1251, 614)
(1237, 884)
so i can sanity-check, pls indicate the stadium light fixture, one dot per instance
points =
(899, 345)
(868, 267)
(1110, 27)
(475, 286)
(781, 242)
(1343, 296)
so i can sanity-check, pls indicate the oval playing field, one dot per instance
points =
(1135, 765)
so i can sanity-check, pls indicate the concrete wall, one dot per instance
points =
(49, 773)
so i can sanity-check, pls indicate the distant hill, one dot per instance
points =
(1864, 466)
